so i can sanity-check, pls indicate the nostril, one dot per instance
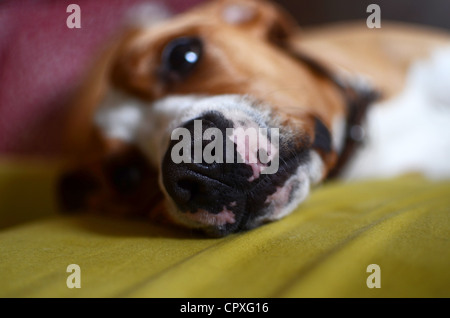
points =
(200, 179)
(189, 185)
(187, 190)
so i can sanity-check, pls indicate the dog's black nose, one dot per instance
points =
(196, 172)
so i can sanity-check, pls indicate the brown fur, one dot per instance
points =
(263, 71)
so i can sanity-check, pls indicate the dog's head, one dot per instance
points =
(218, 108)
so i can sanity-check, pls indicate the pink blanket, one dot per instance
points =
(42, 60)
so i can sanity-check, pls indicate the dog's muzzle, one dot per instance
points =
(226, 163)
(229, 194)
(212, 194)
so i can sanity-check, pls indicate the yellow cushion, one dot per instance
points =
(322, 250)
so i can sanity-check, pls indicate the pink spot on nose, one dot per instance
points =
(256, 168)
(249, 142)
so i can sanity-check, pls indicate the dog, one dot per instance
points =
(345, 101)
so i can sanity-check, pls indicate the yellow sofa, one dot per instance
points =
(324, 249)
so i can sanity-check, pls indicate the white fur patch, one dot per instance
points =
(147, 14)
(411, 132)
(338, 133)
(238, 13)
(315, 168)
(119, 116)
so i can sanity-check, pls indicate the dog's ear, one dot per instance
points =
(263, 19)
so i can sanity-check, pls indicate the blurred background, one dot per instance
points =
(315, 12)
(41, 60)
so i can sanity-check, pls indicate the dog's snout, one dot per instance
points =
(192, 183)
(209, 191)
(192, 191)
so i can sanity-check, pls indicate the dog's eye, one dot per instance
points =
(180, 56)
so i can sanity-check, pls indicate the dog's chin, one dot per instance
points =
(214, 225)
(219, 224)
(248, 209)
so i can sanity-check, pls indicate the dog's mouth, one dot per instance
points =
(242, 184)
(219, 209)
